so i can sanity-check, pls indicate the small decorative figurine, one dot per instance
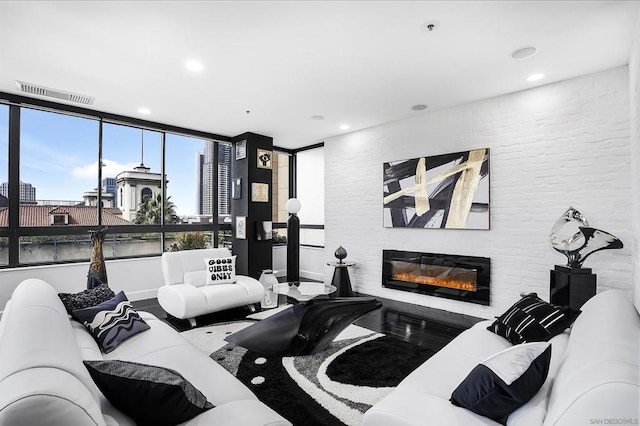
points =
(97, 269)
(340, 253)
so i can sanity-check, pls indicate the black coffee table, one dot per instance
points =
(303, 328)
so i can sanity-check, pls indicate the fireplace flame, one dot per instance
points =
(435, 281)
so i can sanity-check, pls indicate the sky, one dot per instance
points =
(59, 156)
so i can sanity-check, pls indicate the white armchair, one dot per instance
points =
(185, 294)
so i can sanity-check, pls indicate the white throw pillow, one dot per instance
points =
(220, 270)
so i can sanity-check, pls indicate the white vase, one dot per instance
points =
(268, 280)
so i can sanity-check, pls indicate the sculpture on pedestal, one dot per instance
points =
(97, 269)
(580, 244)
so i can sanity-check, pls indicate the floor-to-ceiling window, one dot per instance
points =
(131, 189)
(299, 173)
(310, 192)
(58, 166)
(198, 174)
(155, 187)
(4, 182)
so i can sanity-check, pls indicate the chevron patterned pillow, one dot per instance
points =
(111, 322)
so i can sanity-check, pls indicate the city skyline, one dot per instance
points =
(59, 157)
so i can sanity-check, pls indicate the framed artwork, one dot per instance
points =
(241, 227)
(264, 158)
(449, 191)
(241, 150)
(236, 189)
(260, 192)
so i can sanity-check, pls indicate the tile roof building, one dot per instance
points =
(37, 215)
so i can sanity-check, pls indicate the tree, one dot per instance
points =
(149, 211)
(191, 241)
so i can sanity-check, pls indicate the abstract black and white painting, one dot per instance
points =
(442, 191)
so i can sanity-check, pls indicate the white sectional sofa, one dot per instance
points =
(185, 294)
(593, 376)
(43, 380)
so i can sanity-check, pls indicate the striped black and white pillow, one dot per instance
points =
(531, 319)
(517, 327)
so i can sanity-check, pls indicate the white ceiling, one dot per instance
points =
(362, 63)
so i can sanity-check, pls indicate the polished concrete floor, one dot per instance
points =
(415, 324)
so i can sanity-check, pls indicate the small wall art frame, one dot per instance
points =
(265, 157)
(260, 192)
(448, 191)
(236, 189)
(241, 227)
(241, 150)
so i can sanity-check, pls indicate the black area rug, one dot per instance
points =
(334, 387)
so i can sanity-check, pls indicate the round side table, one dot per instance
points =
(341, 278)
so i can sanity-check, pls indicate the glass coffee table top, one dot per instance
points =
(303, 291)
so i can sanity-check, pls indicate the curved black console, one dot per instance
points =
(305, 328)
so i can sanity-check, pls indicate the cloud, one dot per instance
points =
(110, 169)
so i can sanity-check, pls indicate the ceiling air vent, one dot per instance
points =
(54, 93)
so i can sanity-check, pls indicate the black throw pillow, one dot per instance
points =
(531, 319)
(148, 394)
(86, 298)
(504, 382)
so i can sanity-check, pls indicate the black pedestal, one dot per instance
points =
(341, 279)
(572, 286)
(293, 248)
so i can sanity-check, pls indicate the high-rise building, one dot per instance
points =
(199, 166)
(27, 192)
(109, 185)
(205, 181)
(224, 178)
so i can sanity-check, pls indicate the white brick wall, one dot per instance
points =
(634, 83)
(559, 145)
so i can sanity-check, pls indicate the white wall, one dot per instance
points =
(313, 263)
(139, 278)
(634, 83)
(310, 186)
(310, 192)
(555, 146)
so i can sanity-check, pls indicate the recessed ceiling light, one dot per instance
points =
(535, 77)
(194, 66)
(419, 107)
(344, 127)
(524, 52)
(317, 117)
(145, 111)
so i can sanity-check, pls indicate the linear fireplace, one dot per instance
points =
(456, 277)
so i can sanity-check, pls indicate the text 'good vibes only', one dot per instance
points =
(220, 269)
